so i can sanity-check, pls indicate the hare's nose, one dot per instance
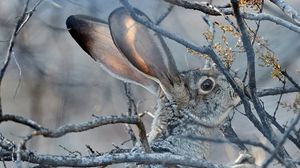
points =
(235, 97)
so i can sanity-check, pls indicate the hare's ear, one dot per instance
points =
(94, 38)
(138, 44)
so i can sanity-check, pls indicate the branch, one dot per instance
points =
(6, 144)
(238, 141)
(84, 126)
(99, 121)
(109, 159)
(21, 120)
(274, 19)
(277, 91)
(204, 7)
(211, 10)
(288, 10)
(235, 141)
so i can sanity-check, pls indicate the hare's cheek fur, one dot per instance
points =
(214, 107)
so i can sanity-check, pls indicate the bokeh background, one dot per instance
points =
(54, 82)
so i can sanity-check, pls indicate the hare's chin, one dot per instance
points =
(222, 118)
(216, 122)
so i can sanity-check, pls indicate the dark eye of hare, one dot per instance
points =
(207, 85)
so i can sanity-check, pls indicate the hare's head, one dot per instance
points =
(130, 52)
(211, 97)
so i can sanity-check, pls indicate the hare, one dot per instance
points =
(193, 102)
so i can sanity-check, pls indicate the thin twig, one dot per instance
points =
(279, 100)
(131, 134)
(162, 17)
(282, 130)
(291, 79)
(3, 162)
(26, 15)
(132, 110)
(231, 135)
(258, 22)
(211, 28)
(282, 141)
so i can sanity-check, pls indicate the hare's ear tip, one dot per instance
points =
(79, 22)
(121, 11)
(70, 21)
(117, 12)
(74, 21)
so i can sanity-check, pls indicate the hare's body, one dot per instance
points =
(170, 130)
(191, 103)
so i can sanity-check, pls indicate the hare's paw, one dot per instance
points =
(245, 160)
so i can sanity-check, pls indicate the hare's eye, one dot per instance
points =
(206, 84)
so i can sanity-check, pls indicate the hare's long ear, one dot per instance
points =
(94, 38)
(139, 46)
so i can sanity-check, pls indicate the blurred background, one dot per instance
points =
(51, 80)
